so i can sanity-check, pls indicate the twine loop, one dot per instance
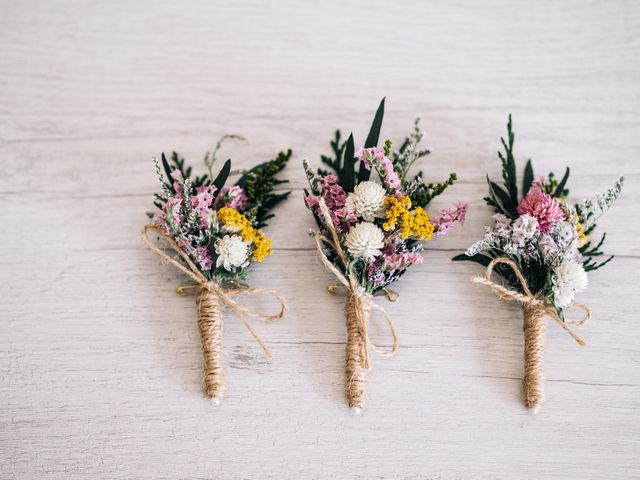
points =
(530, 302)
(223, 294)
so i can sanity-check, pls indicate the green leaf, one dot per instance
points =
(562, 183)
(221, 178)
(478, 258)
(497, 199)
(528, 178)
(503, 197)
(349, 166)
(509, 164)
(364, 173)
(374, 132)
(590, 265)
(167, 168)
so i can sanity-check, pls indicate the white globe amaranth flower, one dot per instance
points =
(568, 279)
(232, 252)
(367, 200)
(364, 240)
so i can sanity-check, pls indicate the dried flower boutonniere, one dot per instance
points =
(541, 248)
(215, 229)
(372, 223)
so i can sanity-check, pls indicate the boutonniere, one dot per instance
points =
(372, 225)
(215, 232)
(541, 247)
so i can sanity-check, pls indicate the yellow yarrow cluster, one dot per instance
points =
(582, 238)
(229, 217)
(412, 223)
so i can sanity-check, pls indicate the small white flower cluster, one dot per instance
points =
(589, 211)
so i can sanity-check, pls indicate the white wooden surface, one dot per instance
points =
(100, 361)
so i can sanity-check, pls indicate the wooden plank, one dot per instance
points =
(100, 361)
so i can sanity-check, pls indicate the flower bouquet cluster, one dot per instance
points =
(540, 246)
(216, 231)
(372, 228)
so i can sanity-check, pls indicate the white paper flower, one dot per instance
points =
(364, 240)
(367, 200)
(568, 279)
(232, 252)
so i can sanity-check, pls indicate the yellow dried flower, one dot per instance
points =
(412, 223)
(230, 217)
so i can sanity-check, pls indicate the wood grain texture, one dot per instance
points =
(100, 363)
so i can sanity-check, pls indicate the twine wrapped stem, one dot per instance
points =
(211, 300)
(210, 325)
(534, 335)
(534, 309)
(358, 311)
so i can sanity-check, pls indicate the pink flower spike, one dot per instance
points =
(449, 217)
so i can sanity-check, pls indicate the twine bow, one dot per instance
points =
(223, 294)
(361, 297)
(527, 299)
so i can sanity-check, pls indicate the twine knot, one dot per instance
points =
(528, 300)
(223, 295)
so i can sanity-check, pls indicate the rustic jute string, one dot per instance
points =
(534, 309)
(211, 300)
(358, 310)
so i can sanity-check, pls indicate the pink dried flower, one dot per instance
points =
(335, 198)
(542, 206)
(203, 258)
(311, 200)
(375, 157)
(448, 217)
(202, 203)
(232, 197)
(160, 220)
(173, 207)
(399, 261)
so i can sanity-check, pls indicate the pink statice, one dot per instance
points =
(335, 198)
(391, 262)
(311, 201)
(160, 220)
(377, 278)
(173, 210)
(448, 217)
(232, 197)
(203, 258)
(333, 194)
(201, 203)
(375, 157)
(400, 261)
(542, 206)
